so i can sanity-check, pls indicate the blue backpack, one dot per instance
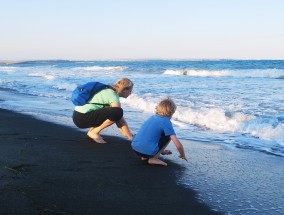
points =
(82, 93)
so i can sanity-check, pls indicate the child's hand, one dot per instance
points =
(183, 157)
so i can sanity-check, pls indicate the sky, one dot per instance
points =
(145, 29)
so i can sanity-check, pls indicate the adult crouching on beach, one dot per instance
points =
(97, 117)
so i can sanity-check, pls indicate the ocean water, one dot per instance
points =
(225, 104)
(232, 102)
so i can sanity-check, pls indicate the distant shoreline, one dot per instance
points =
(131, 59)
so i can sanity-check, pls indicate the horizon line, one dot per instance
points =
(135, 59)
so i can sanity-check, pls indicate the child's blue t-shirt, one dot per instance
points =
(147, 139)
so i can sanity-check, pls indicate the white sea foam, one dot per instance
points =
(260, 73)
(180, 124)
(54, 74)
(99, 68)
(7, 69)
(251, 73)
(215, 119)
(262, 129)
(202, 73)
(65, 86)
(140, 103)
(43, 74)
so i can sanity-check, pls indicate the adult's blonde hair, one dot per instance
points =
(121, 84)
(166, 107)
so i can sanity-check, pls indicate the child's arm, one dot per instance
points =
(178, 146)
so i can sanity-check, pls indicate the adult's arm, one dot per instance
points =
(122, 124)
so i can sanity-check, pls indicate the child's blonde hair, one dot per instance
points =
(121, 84)
(166, 107)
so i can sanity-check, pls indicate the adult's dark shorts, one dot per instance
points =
(96, 117)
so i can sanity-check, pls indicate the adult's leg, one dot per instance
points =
(94, 132)
(104, 118)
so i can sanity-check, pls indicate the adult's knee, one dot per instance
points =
(117, 114)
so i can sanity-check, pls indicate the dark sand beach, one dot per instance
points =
(51, 169)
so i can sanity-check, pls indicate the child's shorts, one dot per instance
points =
(164, 140)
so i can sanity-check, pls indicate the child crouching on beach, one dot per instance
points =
(156, 133)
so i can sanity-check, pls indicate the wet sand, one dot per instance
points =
(47, 168)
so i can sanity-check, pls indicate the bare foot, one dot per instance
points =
(96, 137)
(143, 159)
(155, 161)
(166, 152)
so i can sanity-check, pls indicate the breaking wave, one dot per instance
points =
(218, 120)
(100, 68)
(252, 73)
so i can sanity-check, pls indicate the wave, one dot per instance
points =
(43, 74)
(51, 73)
(64, 86)
(217, 120)
(266, 129)
(7, 69)
(99, 68)
(202, 73)
(251, 73)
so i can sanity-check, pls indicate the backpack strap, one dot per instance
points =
(104, 105)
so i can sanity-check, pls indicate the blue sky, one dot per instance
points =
(146, 29)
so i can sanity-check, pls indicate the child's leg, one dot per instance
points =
(142, 156)
(164, 140)
(166, 152)
(155, 160)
